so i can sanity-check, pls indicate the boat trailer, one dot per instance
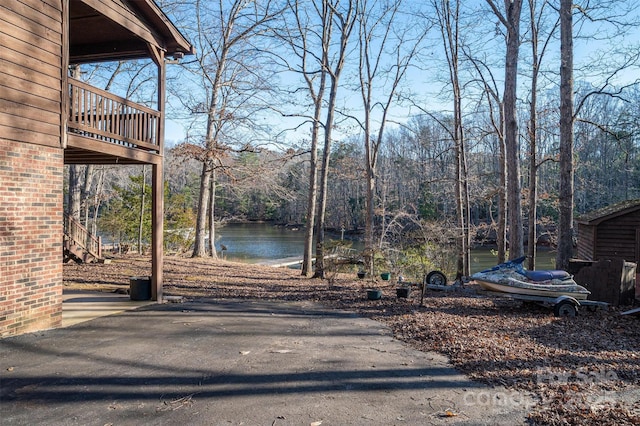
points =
(563, 306)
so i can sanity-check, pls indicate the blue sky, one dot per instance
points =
(428, 81)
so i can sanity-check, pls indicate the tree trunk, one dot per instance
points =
(460, 210)
(533, 187)
(141, 215)
(307, 260)
(501, 238)
(324, 179)
(466, 208)
(322, 194)
(565, 221)
(514, 212)
(369, 217)
(370, 185)
(212, 210)
(458, 135)
(462, 192)
(97, 198)
(199, 249)
(317, 97)
(75, 192)
(346, 20)
(86, 189)
(533, 136)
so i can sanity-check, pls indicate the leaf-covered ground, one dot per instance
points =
(583, 370)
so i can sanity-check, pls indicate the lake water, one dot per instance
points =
(263, 243)
(259, 242)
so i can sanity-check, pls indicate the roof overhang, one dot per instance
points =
(116, 30)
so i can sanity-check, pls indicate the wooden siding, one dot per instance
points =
(616, 238)
(586, 241)
(608, 280)
(31, 71)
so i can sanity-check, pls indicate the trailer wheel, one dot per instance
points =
(565, 308)
(436, 278)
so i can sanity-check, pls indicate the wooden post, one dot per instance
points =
(157, 203)
(157, 219)
(64, 75)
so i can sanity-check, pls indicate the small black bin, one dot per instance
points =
(403, 292)
(140, 288)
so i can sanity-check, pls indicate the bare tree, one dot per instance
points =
(449, 19)
(510, 19)
(616, 15)
(230, 79)
(565, 220)
(539, 48)
(496, 118)
(308, 37)
(386, 52)
(343, 16)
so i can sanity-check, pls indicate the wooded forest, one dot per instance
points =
(412, 125)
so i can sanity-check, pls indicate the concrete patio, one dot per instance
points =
(79, 306)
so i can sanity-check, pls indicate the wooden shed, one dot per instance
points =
(612, 232)
(609, 244)
(48, 119)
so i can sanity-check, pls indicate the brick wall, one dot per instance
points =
(31, 182)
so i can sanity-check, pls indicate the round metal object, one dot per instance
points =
(436, 278)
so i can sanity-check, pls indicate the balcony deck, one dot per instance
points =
(103, 128)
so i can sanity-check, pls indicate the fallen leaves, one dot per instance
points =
(177, 403)
(449, 413)
(573, 365)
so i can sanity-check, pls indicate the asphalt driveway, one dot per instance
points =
(209, 362)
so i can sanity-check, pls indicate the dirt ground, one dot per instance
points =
(584, 370)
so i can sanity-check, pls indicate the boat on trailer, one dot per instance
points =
(511, 277)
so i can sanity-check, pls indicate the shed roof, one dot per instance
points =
(596, 217)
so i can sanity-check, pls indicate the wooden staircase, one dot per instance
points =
(79, 244)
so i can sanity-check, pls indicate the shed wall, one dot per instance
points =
(616, 238)
(586, 241)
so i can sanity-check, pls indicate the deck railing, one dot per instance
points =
(101, 115)
(81, 236)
